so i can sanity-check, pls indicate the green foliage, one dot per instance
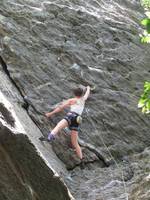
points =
(145, 3)
(145, 37)
(144, 102)
(146, 23)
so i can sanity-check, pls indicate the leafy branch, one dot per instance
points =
(145, 36)
(144, 102)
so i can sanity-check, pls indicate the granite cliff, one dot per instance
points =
(47, 48)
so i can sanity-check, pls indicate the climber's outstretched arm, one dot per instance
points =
(87, 93)
(61, 107)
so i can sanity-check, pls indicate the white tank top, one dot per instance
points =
(78, 106)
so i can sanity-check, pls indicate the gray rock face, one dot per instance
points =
(24, 174)
(47, 48)
(141, 183)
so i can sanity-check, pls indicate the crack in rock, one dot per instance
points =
(26, 103)
(95, 151)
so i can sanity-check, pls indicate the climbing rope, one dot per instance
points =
(110, 154)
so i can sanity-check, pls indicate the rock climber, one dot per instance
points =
(72, 119)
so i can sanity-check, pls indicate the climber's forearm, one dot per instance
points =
(87, 93)
(59, 108)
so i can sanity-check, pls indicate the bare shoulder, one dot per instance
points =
(72, 101)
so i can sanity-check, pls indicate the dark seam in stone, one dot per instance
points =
(26, 103)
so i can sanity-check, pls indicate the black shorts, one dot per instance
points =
(71, 118)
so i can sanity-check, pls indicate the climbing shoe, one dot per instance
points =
(50, 137)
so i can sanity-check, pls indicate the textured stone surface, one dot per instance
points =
(24, 175)
(28, 168)
(140, 185)
(48, 47)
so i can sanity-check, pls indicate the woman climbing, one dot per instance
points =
(72, 119)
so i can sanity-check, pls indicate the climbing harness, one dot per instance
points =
(110, 154)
